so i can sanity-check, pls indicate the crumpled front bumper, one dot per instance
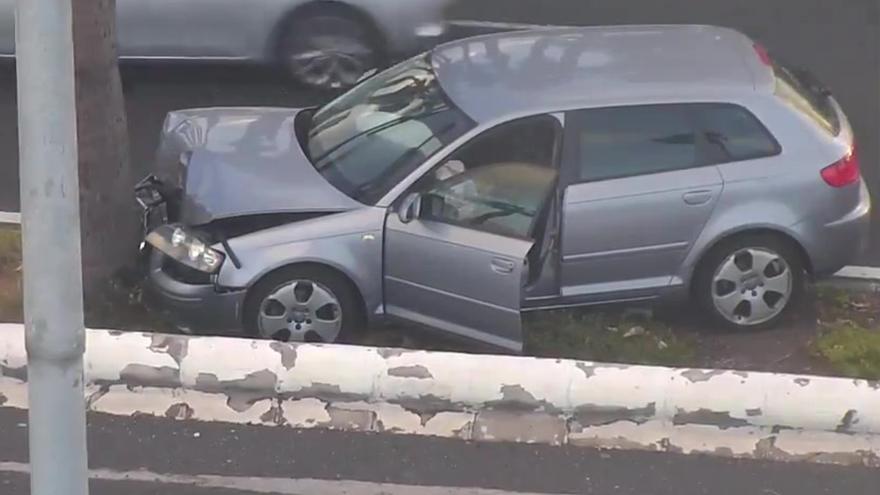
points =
(193, 307)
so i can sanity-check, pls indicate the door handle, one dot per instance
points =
(503, 265)
(695, 198)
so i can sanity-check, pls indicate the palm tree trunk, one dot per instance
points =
(107, 208)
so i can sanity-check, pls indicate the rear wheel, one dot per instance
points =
(303, 304)
(750, 282)
(328, 50)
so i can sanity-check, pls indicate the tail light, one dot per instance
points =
(844, 172)
(763, 54)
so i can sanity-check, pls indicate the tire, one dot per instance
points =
(734, 291)
(286, 305)
(328, 49)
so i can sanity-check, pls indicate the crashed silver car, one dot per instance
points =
(511, 172)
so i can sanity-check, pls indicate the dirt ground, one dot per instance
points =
(678, 335)
(790, 348)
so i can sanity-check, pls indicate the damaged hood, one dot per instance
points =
(229, 162)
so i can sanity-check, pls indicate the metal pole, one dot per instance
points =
(53, 308)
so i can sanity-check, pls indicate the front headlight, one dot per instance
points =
(187, 248)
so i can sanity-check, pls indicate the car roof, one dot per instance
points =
(551, 69)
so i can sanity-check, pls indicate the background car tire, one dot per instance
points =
(329, 48)
(716, 295)
(324, 280)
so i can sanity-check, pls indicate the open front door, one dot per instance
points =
(456, 279)
(456, 258)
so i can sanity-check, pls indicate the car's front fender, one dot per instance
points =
(350, 243)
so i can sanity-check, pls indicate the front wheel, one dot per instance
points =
(750, 282)
(303, 304)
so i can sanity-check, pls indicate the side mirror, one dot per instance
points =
(410, 208)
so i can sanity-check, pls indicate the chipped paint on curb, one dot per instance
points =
(471, 397)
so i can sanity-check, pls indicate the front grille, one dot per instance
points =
(182, 273)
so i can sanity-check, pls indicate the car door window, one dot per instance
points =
(500, 181)
(626, 141)
(502, 198)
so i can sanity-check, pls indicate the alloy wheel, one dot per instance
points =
(330, 53)
(752, 286)
(300, 310)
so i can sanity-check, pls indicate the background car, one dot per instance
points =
(321, 43)
(513, 172)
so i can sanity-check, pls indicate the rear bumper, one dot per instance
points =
(840, 242)
(193, 307)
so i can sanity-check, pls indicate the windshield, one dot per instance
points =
(373, 136)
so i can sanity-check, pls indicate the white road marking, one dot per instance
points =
(859, 272)
(275, 486)
(502, 25)
(853, 272)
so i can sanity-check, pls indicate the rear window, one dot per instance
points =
(617, 142)
(800, 89)
(733, 133)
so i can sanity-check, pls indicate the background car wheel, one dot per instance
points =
(303, 304)
(751, 281)
(328, 49)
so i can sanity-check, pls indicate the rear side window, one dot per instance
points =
(627, 141)
(618, 142)
(733, 133)
(804, 92)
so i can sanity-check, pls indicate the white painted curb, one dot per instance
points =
(860, 273)
(473, 397)
(10, 217)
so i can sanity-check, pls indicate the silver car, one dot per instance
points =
(508, 173)
(321, 43)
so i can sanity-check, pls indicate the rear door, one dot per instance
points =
(461, 265)
(638, 196)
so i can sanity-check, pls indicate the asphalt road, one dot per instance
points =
(839, 40)
(261, 454)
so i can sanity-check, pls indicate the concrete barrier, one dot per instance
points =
(473, 397)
